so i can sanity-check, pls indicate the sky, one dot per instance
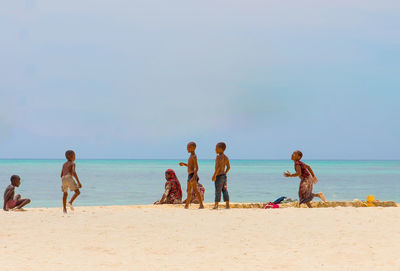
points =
(139, 79)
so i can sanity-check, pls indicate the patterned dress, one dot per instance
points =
(174, 196)
(306, 184)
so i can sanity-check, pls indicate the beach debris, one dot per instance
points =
(294, 204)
(370, 201)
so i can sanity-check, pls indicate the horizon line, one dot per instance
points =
(203, 159)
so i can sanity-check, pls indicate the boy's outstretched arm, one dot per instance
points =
(182, 164)
(298, 172)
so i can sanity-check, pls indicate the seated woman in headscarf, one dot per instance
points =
(173, 191)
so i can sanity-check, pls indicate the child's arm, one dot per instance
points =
(4, 204)
(312, 173)
(76, 176)
(217, 162)
(196, 166)
(182, 164)
(310, 170)
(228, 166)
(7, 196)
(298, 172)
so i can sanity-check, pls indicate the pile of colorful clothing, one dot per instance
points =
(275, 204)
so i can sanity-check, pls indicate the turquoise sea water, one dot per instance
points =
(124, 182)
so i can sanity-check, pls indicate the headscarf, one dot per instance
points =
(174, 180)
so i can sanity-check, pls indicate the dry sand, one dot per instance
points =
(163, 238)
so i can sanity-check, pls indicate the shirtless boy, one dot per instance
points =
(222, 167)
(193, 168)
(68, 174)
(12, 202)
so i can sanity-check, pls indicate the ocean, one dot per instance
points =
(127, 182)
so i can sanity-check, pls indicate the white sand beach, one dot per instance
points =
(164, 238)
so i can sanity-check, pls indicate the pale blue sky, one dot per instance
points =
(139, 79)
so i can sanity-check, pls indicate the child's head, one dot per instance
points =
(15, 180)
(297, 155)
(191, 146)
(70, 155)
(220, 148)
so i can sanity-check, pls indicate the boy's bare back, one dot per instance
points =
(221, 163)
(68, 169)
(9, 193)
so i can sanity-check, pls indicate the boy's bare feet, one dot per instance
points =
(322, 196)
(215, 206)
(186, 206)
(64, 211)
(201, 207)
(227, 206)
(69, 204)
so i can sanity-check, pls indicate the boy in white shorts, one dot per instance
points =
(68, 174)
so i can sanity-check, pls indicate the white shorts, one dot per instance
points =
(68, 183)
